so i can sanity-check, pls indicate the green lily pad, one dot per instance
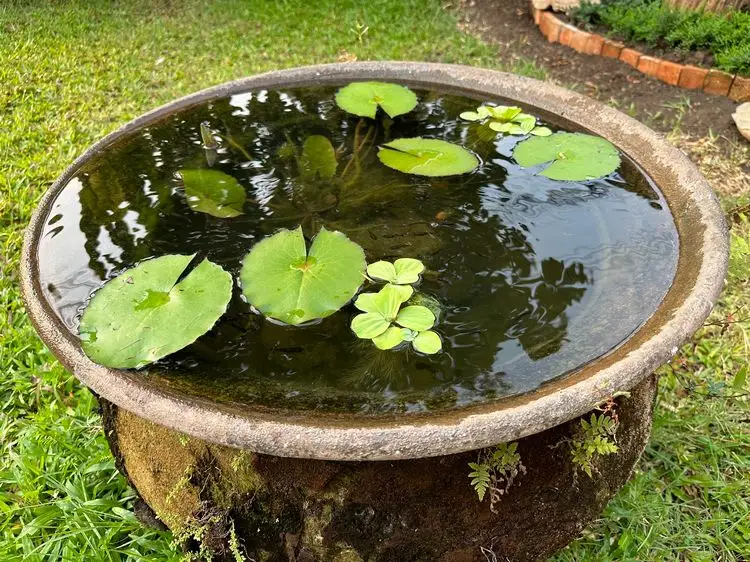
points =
(404, 271)
(213, 192)
(318, 158)
(145, 314)
(571, 156)
(427, 342)
(284, 281)
(364, 98)
(427, 157)
(415, 317)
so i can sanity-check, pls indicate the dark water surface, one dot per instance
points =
(537, 277)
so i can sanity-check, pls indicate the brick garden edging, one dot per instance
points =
(686, 76)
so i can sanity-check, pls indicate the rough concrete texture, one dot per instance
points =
(698, 281)
(285, 509)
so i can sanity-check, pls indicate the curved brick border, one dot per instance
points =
(687, 76)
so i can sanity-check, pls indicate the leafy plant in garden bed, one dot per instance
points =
(726, 36)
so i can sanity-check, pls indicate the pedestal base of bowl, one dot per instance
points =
(301, 510)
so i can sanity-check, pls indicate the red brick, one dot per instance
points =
(717, 82)
(567, 32)
(579, 40)
(649, 65)
(630, 56)
(740, 90)
(692, 77)
(669, 72)
(550, 26)
(594, 45)
(611, 49)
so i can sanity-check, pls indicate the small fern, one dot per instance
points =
(593, 437)
(495, 471)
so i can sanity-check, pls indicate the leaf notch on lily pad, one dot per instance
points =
(318, 159)
(364, 98)
(148, 312)
(281, 279)
(569, 156)
(427, 157)
(213, 192)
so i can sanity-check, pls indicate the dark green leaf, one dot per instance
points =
(213, 192)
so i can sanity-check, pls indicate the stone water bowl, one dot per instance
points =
(340, 487)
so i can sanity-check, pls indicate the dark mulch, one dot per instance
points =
(509, 24)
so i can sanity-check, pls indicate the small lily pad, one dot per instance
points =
(145, 314)
(318, 158)
(427, 157)
(415, 317)
(364, 98)
(284, 281)
(427, 342)
(570, 156)
(213, 192)
(404, 271)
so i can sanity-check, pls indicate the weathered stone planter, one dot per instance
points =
(344, 488)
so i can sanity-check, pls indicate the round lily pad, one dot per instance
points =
(570, 156)
(364, 98)
(147, 312)
(318, 158)
(427, 157)
(284, 281)
(213, 192)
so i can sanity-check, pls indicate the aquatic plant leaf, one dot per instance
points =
(364, 98)
(384, 270)
(404, 271)
(504, 112)
(284, 281)
(427, 342)
(571, 156)
(213, 192)
(145, 314)
(470, 116)
(318, 158)
(367, 302)
(415, 317)
(541, 131)
(427, 301)
(389, 339)
(427, 157)
(390, 298)
(369, 325)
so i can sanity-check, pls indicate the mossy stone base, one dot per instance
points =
(298, 510)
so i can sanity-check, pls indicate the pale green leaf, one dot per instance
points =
(369, 325)
(407, 270)
(283, 281)
(541, 131)
(418, 318)
(364, 98)
(367, 302)
(570, 156)
(504, 112)
(318, 158)
(470, 116)
(427, 157)
(213, 192)
(144, 314)
(384, 270)
(389, 339)
(427, 342)
(483, 111)
(390, 298)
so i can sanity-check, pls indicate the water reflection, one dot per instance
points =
(531, 275)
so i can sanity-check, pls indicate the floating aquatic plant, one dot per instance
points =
(364, 99)
(569, 156)
(152, 310)
(318, 159)
(427, 157)
(506, 119)
(213, 192)
(284, 281)
(404, 271)
(387, 324)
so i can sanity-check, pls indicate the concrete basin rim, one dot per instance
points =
(698, 282)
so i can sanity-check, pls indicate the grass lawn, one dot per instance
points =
(72, 71)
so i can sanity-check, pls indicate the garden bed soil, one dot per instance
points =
(509, 24)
